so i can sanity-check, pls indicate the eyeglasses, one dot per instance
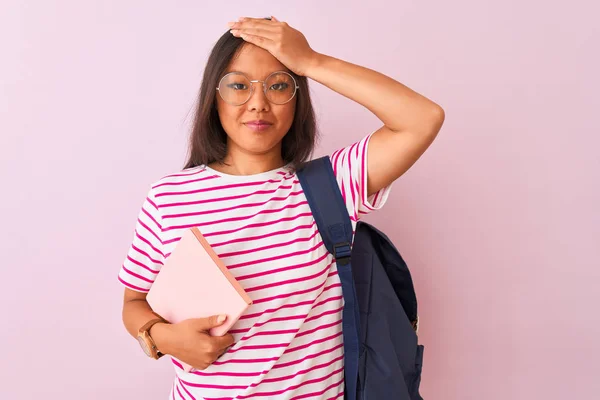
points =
(236, 89)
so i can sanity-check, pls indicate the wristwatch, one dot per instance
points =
(146, 340)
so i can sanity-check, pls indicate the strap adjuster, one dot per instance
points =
(342, 252)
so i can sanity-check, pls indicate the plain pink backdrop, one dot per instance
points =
(499, 220)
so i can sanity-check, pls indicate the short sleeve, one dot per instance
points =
(145, 256)
(350, 167)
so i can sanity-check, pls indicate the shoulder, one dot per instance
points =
(181, 180)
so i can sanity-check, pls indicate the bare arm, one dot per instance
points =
(411, 121)
(188, 340)
(136, 312)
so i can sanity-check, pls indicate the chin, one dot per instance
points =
(259, 145)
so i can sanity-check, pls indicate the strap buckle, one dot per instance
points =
(342, 252)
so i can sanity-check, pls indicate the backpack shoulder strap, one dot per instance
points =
(331, 215)
(327, 205)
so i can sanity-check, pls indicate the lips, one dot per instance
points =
(258, 122)
(258, 125)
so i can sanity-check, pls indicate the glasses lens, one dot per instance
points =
(235, 88)
(280, 87)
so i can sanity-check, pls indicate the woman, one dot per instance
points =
(254, 125)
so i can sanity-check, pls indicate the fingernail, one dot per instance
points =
(221, 318)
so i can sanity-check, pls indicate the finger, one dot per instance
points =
(224, 351)
(205, 324)
(256, 23)
(222, 342)
(256, 32)
(255, 19)
(260, 41)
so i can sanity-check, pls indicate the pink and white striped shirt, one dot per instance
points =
(288, 345)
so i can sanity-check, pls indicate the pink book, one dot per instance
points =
(194, 283)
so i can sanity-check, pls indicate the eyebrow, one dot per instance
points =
(250, 75)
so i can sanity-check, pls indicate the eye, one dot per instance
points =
(279, 86)
(237, 86)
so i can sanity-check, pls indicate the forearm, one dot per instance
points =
(397, 106)
(135, 315)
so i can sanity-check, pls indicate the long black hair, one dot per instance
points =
(208, 140)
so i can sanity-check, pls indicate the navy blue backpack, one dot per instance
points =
(382, 357)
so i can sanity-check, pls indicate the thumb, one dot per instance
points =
(204, 324)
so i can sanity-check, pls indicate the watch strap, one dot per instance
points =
(146, 329)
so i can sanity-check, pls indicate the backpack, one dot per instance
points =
(382, 357)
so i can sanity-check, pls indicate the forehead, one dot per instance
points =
(254, 62)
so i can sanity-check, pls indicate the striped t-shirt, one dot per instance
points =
(288, 345)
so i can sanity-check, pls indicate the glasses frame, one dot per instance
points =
(296, 87)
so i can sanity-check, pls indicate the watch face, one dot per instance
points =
(144, 346)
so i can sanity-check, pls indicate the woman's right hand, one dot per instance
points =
(191, 342)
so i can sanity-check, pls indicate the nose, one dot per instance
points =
(258, 101)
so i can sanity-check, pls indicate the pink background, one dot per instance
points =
(499, 220)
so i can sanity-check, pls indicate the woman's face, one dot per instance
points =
(257, 64)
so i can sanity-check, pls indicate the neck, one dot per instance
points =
(248, 164)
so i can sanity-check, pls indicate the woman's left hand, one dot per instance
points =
(285, 43)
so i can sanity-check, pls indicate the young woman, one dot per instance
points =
(254, 125)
